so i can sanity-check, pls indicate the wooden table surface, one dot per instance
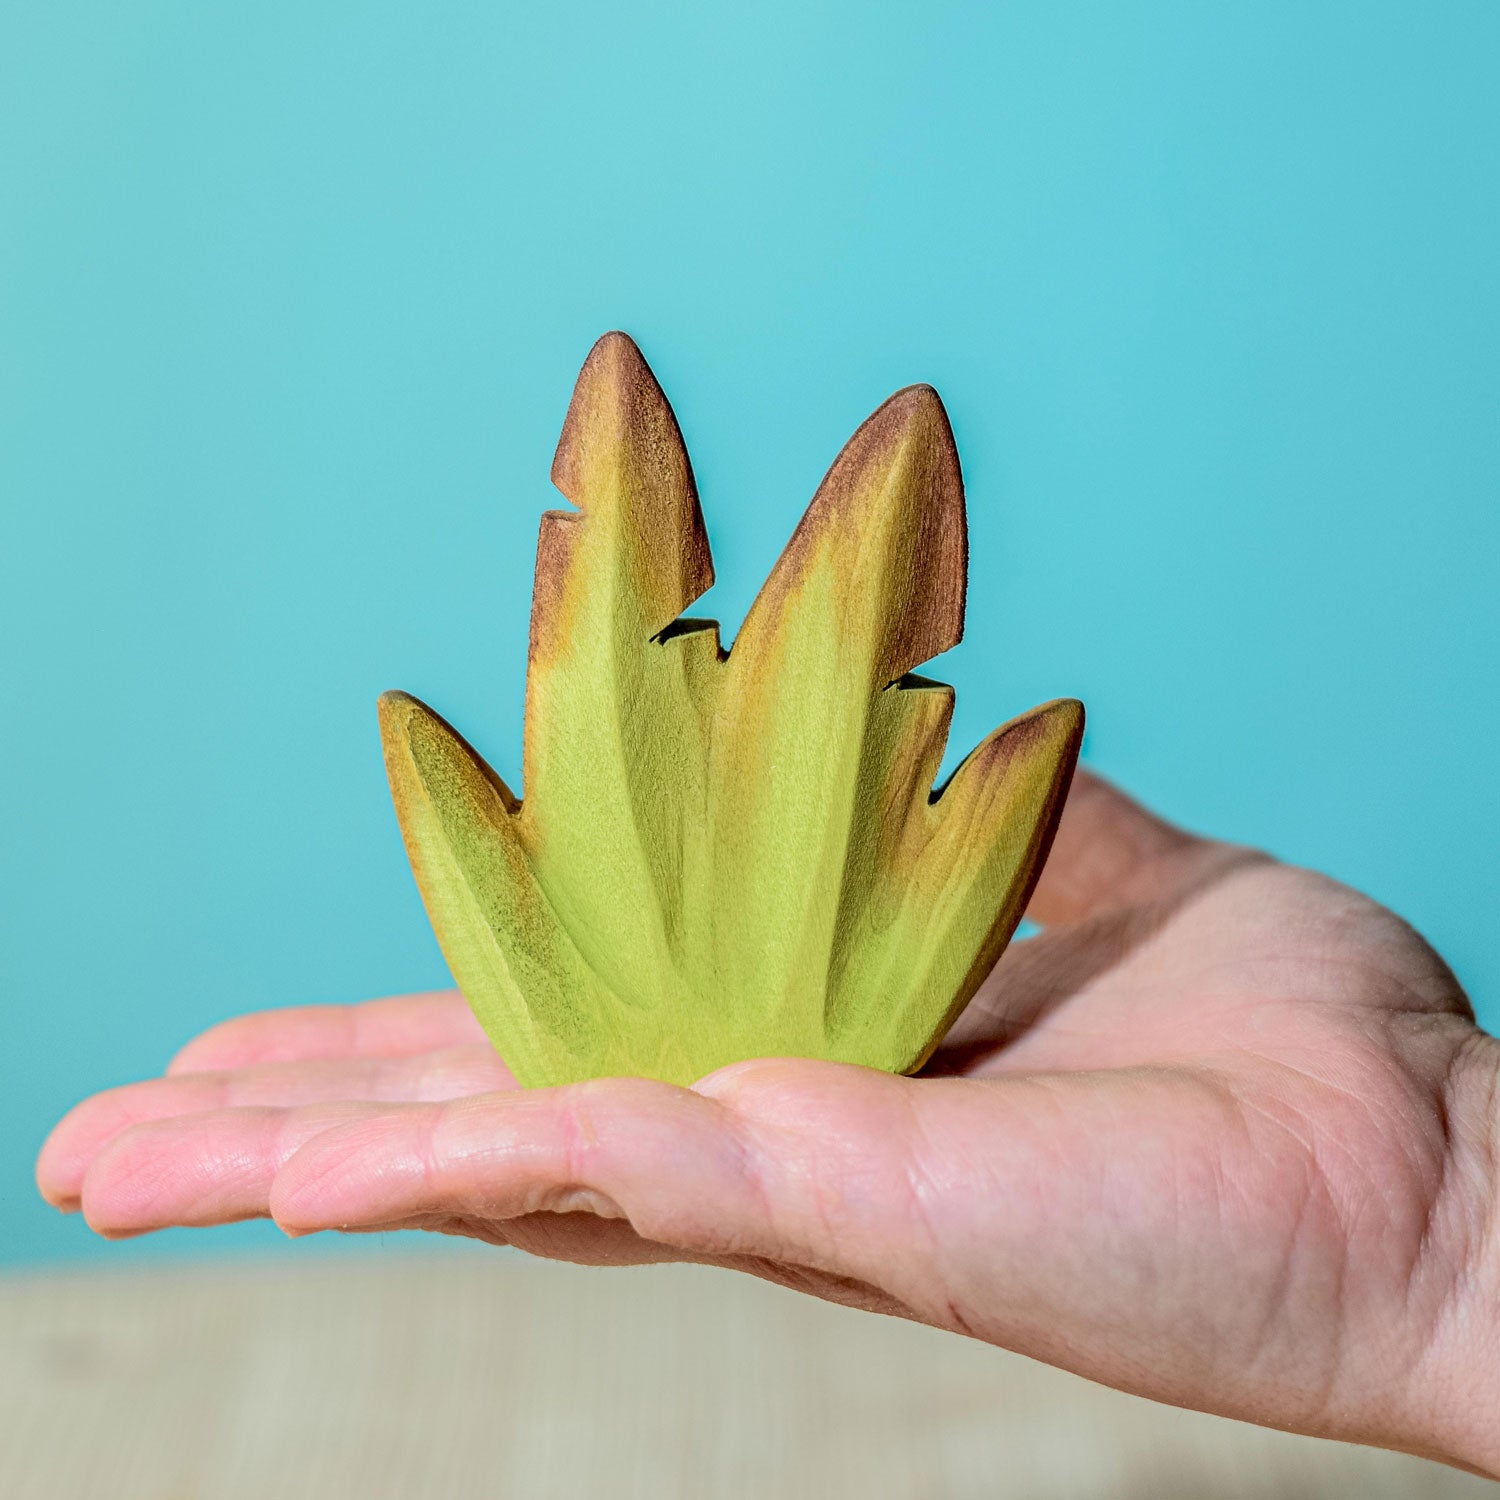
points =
(459, 1377)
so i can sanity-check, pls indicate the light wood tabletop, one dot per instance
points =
(465, 1376)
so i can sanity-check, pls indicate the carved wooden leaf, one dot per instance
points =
(723, 856)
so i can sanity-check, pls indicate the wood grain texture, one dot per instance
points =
(469, 1377)
(723, 855)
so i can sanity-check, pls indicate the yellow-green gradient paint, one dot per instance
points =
(730, 855)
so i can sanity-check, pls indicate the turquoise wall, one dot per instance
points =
(291, 300)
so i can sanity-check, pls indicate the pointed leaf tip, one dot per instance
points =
(614, 391)
(621, 461)
(887, 524)
(926, 485)
(614, 368)
(401, 717)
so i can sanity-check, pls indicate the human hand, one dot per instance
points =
(1224, 1134)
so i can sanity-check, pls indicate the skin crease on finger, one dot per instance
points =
(1223, 1134)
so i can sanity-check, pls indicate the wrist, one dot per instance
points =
(1460, 1387)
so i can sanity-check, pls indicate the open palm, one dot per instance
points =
(1224, 1134)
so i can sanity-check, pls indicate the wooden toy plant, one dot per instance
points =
(724, 855)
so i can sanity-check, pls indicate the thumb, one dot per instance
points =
(1109, 852)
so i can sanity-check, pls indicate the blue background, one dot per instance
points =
(292, 297)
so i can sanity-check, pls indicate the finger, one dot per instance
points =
(199, 1169)
(398, 1026)
(1109, 852)
(502, 1156)
(747, 1164)
(88, 1128)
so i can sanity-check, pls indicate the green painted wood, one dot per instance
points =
(731, 855)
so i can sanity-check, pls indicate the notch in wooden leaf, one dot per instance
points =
(724, 855)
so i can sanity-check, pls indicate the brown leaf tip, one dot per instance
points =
(622, 462)
(613, 385)
(1053, 730)
(909, 438)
